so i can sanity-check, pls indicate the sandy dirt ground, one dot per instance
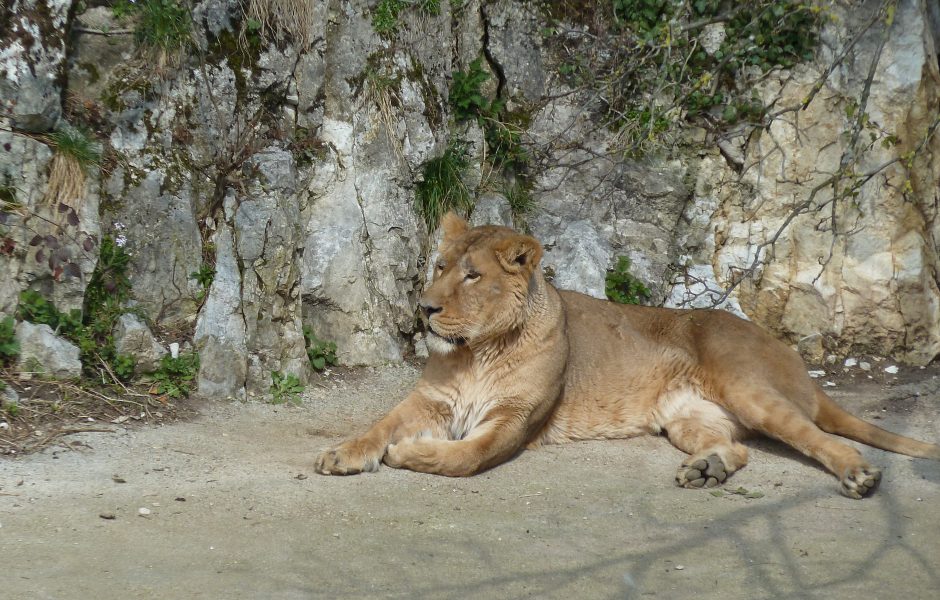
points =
(227, 506)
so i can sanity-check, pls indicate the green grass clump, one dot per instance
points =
(622, 287)
(78, 144)
(520, 199)
(9, 347)
(385, 16)
(466, 92)
(387, 13)
(443, 187)
(162, 24)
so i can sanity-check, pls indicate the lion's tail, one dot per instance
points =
(834, 419)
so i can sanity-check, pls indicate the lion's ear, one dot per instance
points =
(454, 226)
(518, 253)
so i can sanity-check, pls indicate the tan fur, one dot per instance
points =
(516, 363)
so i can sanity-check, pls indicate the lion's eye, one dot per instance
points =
(440, 266)
(472, 276)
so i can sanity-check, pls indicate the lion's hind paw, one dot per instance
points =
(702, 472)
(860, 482)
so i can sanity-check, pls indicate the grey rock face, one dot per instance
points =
(42, 350)
(291, 170)
(220, 336)
(491, 209)
(32, 59)
(359, 275)
(266, 226)
(869, 286)
(578, 257)
(132, 336)
(514, 43)
(631, 208)
(32, 62)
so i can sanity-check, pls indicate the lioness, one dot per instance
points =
(515, 362)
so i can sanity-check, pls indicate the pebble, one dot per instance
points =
(680, 568)
(892, 369)
(865, 366)
(107, 516)
(143, 511)
(815, 374)
(851, 362)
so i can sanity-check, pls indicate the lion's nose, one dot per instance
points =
(428, 308)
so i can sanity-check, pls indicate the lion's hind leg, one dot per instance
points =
(713, 453)
(775, 415)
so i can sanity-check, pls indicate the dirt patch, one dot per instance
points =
(234, 510)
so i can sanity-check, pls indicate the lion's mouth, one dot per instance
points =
(450, 339)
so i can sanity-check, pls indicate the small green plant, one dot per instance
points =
(10, 408)
(175, 375)
(443, 187)
(90, 328)
(9, 347)
(123, 365)
(109, 286)
(466, 91)
(34, 308)
(622, 287)
(503, 136)
(285, 388)
(204, 277)
(162, 24)
(320, 352)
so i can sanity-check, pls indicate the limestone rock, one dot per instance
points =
(32, 60)
(220, 336)
(42, 350)
(491, 209)
(132, 336)
(578, 257)
(870, 285)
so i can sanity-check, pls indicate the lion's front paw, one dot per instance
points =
(346, 459)
(860, 481)
(708, 471)
(396, 454)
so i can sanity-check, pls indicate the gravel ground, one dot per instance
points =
(227, 505)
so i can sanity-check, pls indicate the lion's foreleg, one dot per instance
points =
(413, 416)
(497, 439)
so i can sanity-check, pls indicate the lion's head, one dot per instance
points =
(481, 286)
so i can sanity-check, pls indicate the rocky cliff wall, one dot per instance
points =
(284, 153)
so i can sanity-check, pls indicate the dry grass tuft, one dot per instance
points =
(66, 182)
(273, 18)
